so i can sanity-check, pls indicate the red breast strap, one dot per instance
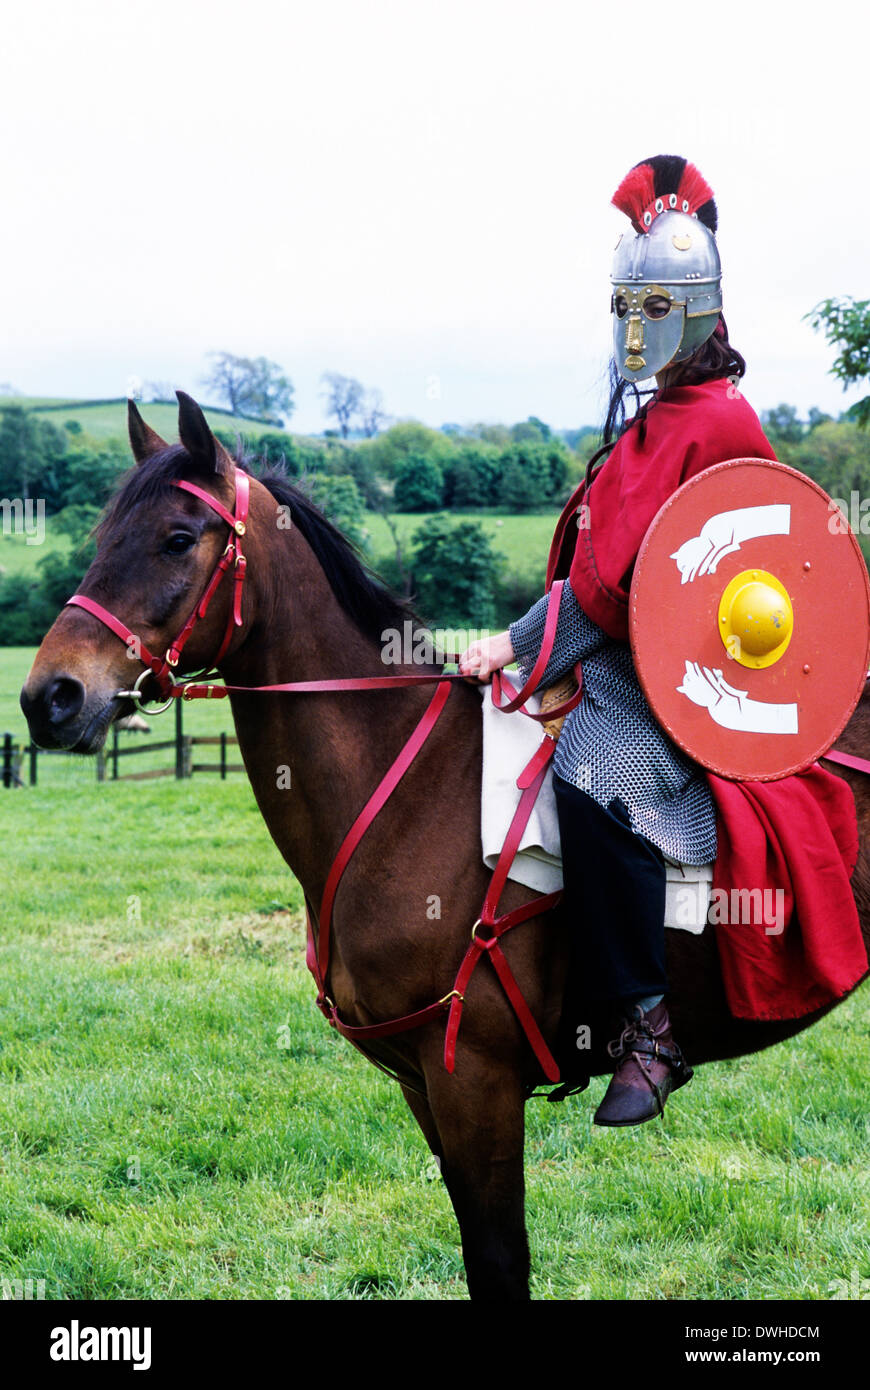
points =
(376, 801)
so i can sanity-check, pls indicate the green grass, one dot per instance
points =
(178, 1122)
(17, 557)
(524, 541)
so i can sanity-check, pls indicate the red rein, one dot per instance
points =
(530, 782)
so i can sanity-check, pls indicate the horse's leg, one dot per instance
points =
(419, 1108)
(479, 1119)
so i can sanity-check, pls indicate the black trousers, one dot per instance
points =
(614, 898)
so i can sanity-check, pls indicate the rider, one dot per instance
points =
(627, 797)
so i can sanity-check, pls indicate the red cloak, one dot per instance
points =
(797, 836)
(686, 429)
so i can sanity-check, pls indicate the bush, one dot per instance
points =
(419, 486)
(455, 573)
(518, 492)
(515, 594)
(471, 478)
(339, 499)
(407, 439)
(19, 626)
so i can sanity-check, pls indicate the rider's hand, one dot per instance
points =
(486, 656)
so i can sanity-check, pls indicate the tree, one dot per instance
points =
(490, 434)
(252, 386)
(90, 475)
(782, 426)
(407, 437)
(817, 417)
(846, 324)
(531, 429)
(161, 391)
(419, 486)
(471, 478)
(518, 488)
(344, 397)
(31, 456)
(372, 414)
(339, 499)
(837, 456)
(455, 573)
(17, 464)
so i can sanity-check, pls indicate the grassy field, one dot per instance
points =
(17, 557)
(177, 1121)
(524, 541)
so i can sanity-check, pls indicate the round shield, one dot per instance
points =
(750, 620)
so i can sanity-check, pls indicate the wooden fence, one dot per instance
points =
(108, 760)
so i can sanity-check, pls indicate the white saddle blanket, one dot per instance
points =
(509, 741)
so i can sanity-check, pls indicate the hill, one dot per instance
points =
(107, 419)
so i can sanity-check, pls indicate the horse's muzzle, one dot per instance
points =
(58, 715)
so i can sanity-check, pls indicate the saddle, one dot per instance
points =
(508, 743)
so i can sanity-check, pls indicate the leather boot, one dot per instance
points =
(649, 1067)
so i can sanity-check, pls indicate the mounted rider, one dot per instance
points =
(628, 799)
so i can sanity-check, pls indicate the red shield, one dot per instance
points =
(750, 620)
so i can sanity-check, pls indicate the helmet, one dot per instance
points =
(667, 279)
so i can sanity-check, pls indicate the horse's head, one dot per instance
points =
(157, 548)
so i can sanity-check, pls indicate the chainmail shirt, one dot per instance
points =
(611, 745)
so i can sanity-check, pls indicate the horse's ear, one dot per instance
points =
(198, 440)
(143, 440)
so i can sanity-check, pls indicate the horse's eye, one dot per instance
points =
(179, 543)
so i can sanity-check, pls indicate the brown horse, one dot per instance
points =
(310, 611)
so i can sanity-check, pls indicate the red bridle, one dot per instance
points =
(162, 667)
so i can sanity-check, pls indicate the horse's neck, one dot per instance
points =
(313, 760)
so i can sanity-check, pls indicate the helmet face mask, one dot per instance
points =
(666, 288)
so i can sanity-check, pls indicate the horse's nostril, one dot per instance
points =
(64, 698)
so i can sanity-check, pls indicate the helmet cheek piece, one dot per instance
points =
(699, 327)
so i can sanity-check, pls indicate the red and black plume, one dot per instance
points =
(665, 183)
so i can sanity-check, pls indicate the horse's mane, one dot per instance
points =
(367, 601)
(360, 591)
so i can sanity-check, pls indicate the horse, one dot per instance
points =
(311, 610)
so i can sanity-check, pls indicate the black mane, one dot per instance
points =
(362, 594)
(364, 597)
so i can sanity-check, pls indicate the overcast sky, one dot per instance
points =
(413, 193)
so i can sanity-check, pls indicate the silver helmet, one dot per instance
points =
(666, 280)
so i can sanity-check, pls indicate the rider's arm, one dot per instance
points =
(576, 637)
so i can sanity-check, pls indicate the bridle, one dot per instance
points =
(161, 668)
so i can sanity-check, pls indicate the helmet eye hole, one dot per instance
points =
(656, 306)
(620, 306)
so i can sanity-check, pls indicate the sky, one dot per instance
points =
(415, 194)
